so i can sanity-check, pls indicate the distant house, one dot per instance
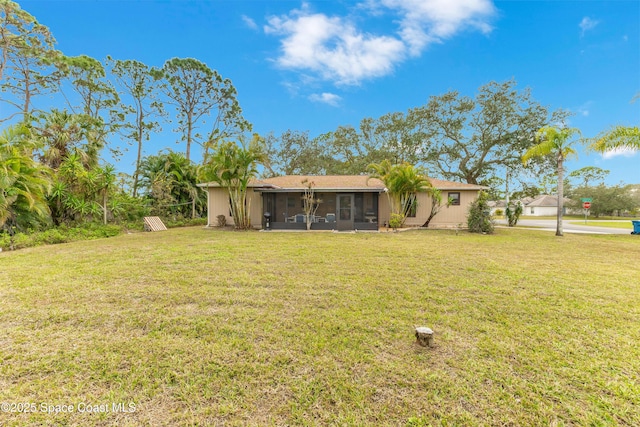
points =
(497, 205)
(347, 202)
(542, 205)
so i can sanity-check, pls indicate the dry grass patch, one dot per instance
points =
(200, 327)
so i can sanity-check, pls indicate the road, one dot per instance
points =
(550, 225)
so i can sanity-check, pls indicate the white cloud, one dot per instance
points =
(429, 21)
(249, 22)
(327, 98)
(624, 152)
(587, 24)
(334, 48)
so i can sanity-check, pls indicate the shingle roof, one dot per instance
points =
(340, 182)
(451, 185)
(544, 201)
(497, 203)
(325, 182)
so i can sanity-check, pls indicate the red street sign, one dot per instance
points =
(586, 205)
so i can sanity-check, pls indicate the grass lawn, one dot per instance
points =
(200, 327)
(608, 224)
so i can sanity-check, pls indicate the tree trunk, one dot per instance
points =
(559, 231)
(189, 130)
(507, 189)
(138, 159)
(104, 206)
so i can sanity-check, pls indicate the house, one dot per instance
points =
(542, 205)
(497, 206)
(345, 202)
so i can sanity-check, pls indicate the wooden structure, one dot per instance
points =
(153, 223)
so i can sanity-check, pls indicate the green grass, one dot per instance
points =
(581, 217)
(607, 224)
(199, 327)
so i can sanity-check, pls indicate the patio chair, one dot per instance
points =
(330, 217)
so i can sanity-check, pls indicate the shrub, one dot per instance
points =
(184, 222)
(513, 215)
(222, 220)
(396, 220)
(62, 234)
(499, 212)
(480, 220)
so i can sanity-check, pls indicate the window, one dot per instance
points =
(412, 207)
(454, 199)
(291, 206)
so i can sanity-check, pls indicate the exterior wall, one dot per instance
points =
(454, 215)
(384, 210)
(218, 204)
(540, 210)
(255, 212)
(448, 216)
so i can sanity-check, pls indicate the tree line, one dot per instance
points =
(53, 168)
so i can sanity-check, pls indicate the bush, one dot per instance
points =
(184, 222)
(222, 220)
(20, 240)
(480, 220)
(513, 215)
(62, 234)
(499, 212)
(396, 220)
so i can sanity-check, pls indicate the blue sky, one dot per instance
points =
(315, 65)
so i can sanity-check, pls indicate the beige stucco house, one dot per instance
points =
(347, 202)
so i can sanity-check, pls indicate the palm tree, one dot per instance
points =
(24, 183)
(384, 172)
(407, 182)
(617, 137)
(233, 166)
(171, 180)
(403, 182)
(184, 177)
(553, 141)
(106, 180)
(62, 134)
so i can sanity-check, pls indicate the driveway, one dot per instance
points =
(567, 227)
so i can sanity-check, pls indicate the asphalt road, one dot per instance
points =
(550, 225)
